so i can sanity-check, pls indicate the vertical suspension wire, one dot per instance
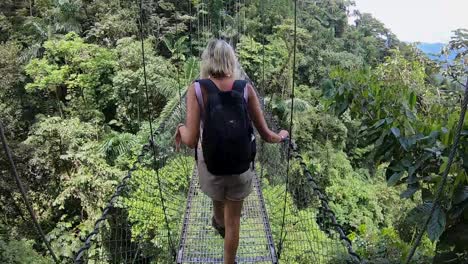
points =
(209, 22)
(219, 14)
(212, 24)
(178, 74)
(150, 120)
(198, 29)
(282, 237)
(232, 23)
(244, 11)
(262, 18)
(190, 25)
(201, 9)
(20, 185)
(226, 20)
(179, 87)
(238, 22)
(269, 103)
(206, 24)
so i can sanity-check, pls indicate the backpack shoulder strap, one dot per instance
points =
(209, 85)
(241, 87)
(199, 95)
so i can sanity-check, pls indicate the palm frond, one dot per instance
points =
(117, 144)
(171, 110)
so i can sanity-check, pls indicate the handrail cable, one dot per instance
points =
(324, 203)
(20, 185)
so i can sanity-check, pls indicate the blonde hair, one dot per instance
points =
(219, 60)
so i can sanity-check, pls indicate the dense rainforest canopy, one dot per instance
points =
(372, 115)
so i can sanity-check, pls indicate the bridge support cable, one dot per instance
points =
(325, 208)
(20, 185)
(150, 120)
(280, 247)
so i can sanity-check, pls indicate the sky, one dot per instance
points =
(419, 20)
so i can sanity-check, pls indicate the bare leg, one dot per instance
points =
(218, 212)
(232, 214)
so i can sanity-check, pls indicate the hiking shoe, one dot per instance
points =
(220, 229)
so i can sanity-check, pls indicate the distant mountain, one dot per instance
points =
(432, 50)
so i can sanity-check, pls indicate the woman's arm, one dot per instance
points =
(258, 119)
(189, 133)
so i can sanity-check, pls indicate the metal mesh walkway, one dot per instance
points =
(200, 243)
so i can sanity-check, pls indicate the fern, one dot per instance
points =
(117, 144)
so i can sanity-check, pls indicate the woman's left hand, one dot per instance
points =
(178, 137)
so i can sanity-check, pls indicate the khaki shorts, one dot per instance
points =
(219, 188)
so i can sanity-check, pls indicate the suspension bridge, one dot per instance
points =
(160, 215)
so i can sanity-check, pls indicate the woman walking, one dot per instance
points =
(220, 111)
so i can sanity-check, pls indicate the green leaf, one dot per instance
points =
(395, 178)
(378, 123)
(426, 194)
(458, 209)
(418, 214)
(411, 171)
(406, 162)
(437, 224)
(395, 131)
(409, 114)
(404, 143)
(410, 191)
(397, 165)
(444, 165)
(461, 195)
(412, 100)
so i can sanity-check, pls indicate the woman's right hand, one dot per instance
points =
(283, 134)
(178, 138)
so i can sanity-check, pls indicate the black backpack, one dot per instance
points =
(228, 139)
